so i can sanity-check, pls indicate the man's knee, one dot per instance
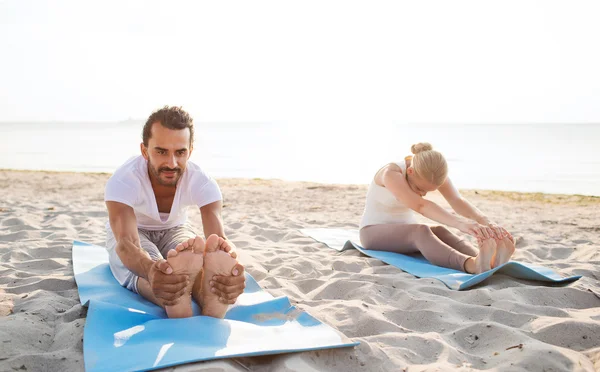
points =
(175, 236)
(124, 276)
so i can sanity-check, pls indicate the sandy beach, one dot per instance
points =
(402, 323)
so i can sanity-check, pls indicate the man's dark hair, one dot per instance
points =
(170, 117)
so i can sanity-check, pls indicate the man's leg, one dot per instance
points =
(123, 275)
(188, 261)
(175, 236)
(216, 261)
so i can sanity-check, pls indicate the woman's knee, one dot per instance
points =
(420, 232)
(439, 230)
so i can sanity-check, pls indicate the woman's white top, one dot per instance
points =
(382, 207)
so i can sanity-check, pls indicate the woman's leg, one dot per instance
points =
(454, 241)
(412, 238)
(489, 252)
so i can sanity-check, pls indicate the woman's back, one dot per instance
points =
(382, 207)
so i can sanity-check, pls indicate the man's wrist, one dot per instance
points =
(147, 266)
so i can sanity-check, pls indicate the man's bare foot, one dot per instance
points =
(483, 261)
(504, 251)
(216, 262)
(188, 259)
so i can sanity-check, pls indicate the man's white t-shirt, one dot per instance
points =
(130, 185)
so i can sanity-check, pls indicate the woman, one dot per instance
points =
(396, 193)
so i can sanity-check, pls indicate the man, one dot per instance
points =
(147, 199)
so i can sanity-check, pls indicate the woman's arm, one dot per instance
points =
(462, 205)
(391, 178)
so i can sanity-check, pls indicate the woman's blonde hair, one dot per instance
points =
(428, 163)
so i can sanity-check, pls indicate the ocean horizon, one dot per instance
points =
(548, 158)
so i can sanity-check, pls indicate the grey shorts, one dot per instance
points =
(156, 243)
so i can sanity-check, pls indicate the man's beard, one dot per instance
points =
(157, 174)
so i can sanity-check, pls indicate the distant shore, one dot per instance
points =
(488, 194)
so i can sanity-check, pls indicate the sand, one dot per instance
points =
(401, 322)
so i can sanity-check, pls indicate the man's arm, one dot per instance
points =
(165, 288)
(124, 227)
(212, 223)
(227, 287)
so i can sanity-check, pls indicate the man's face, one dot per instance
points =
(167, 153)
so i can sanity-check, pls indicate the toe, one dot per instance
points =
(172, 253)
(212, 243)
(224, 245)
(198, 245)
(182, 246)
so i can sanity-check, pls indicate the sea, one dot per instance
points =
(548, 158)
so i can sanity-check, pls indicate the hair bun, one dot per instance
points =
(420, 147)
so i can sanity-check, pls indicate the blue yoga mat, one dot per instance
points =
(124, 332)
(417, 265)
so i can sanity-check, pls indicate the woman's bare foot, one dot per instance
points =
(187, 258)
(216, 262)
(504, 251)
(483, 261)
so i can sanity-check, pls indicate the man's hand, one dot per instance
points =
(228, 288)
(166, 286)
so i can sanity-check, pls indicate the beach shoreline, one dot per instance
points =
(554, 198)
(400, 321)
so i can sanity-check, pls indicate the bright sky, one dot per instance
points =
(310, 62)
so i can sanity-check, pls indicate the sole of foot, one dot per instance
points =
(504, 251)
(216, 262)
(186, 259)
(487, 251)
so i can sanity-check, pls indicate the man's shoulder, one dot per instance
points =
(194, 167)
(201, 188)
(128, 173)
(197, 178)
(195, 172)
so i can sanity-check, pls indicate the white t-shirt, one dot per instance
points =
(130, 185)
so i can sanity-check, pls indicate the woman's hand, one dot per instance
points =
(500, 232)
(477, 230)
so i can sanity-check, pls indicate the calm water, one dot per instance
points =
(545, 158)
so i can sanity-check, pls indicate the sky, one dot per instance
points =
(309, 62)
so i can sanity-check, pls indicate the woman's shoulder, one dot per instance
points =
(393, 166)
(397, 166)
